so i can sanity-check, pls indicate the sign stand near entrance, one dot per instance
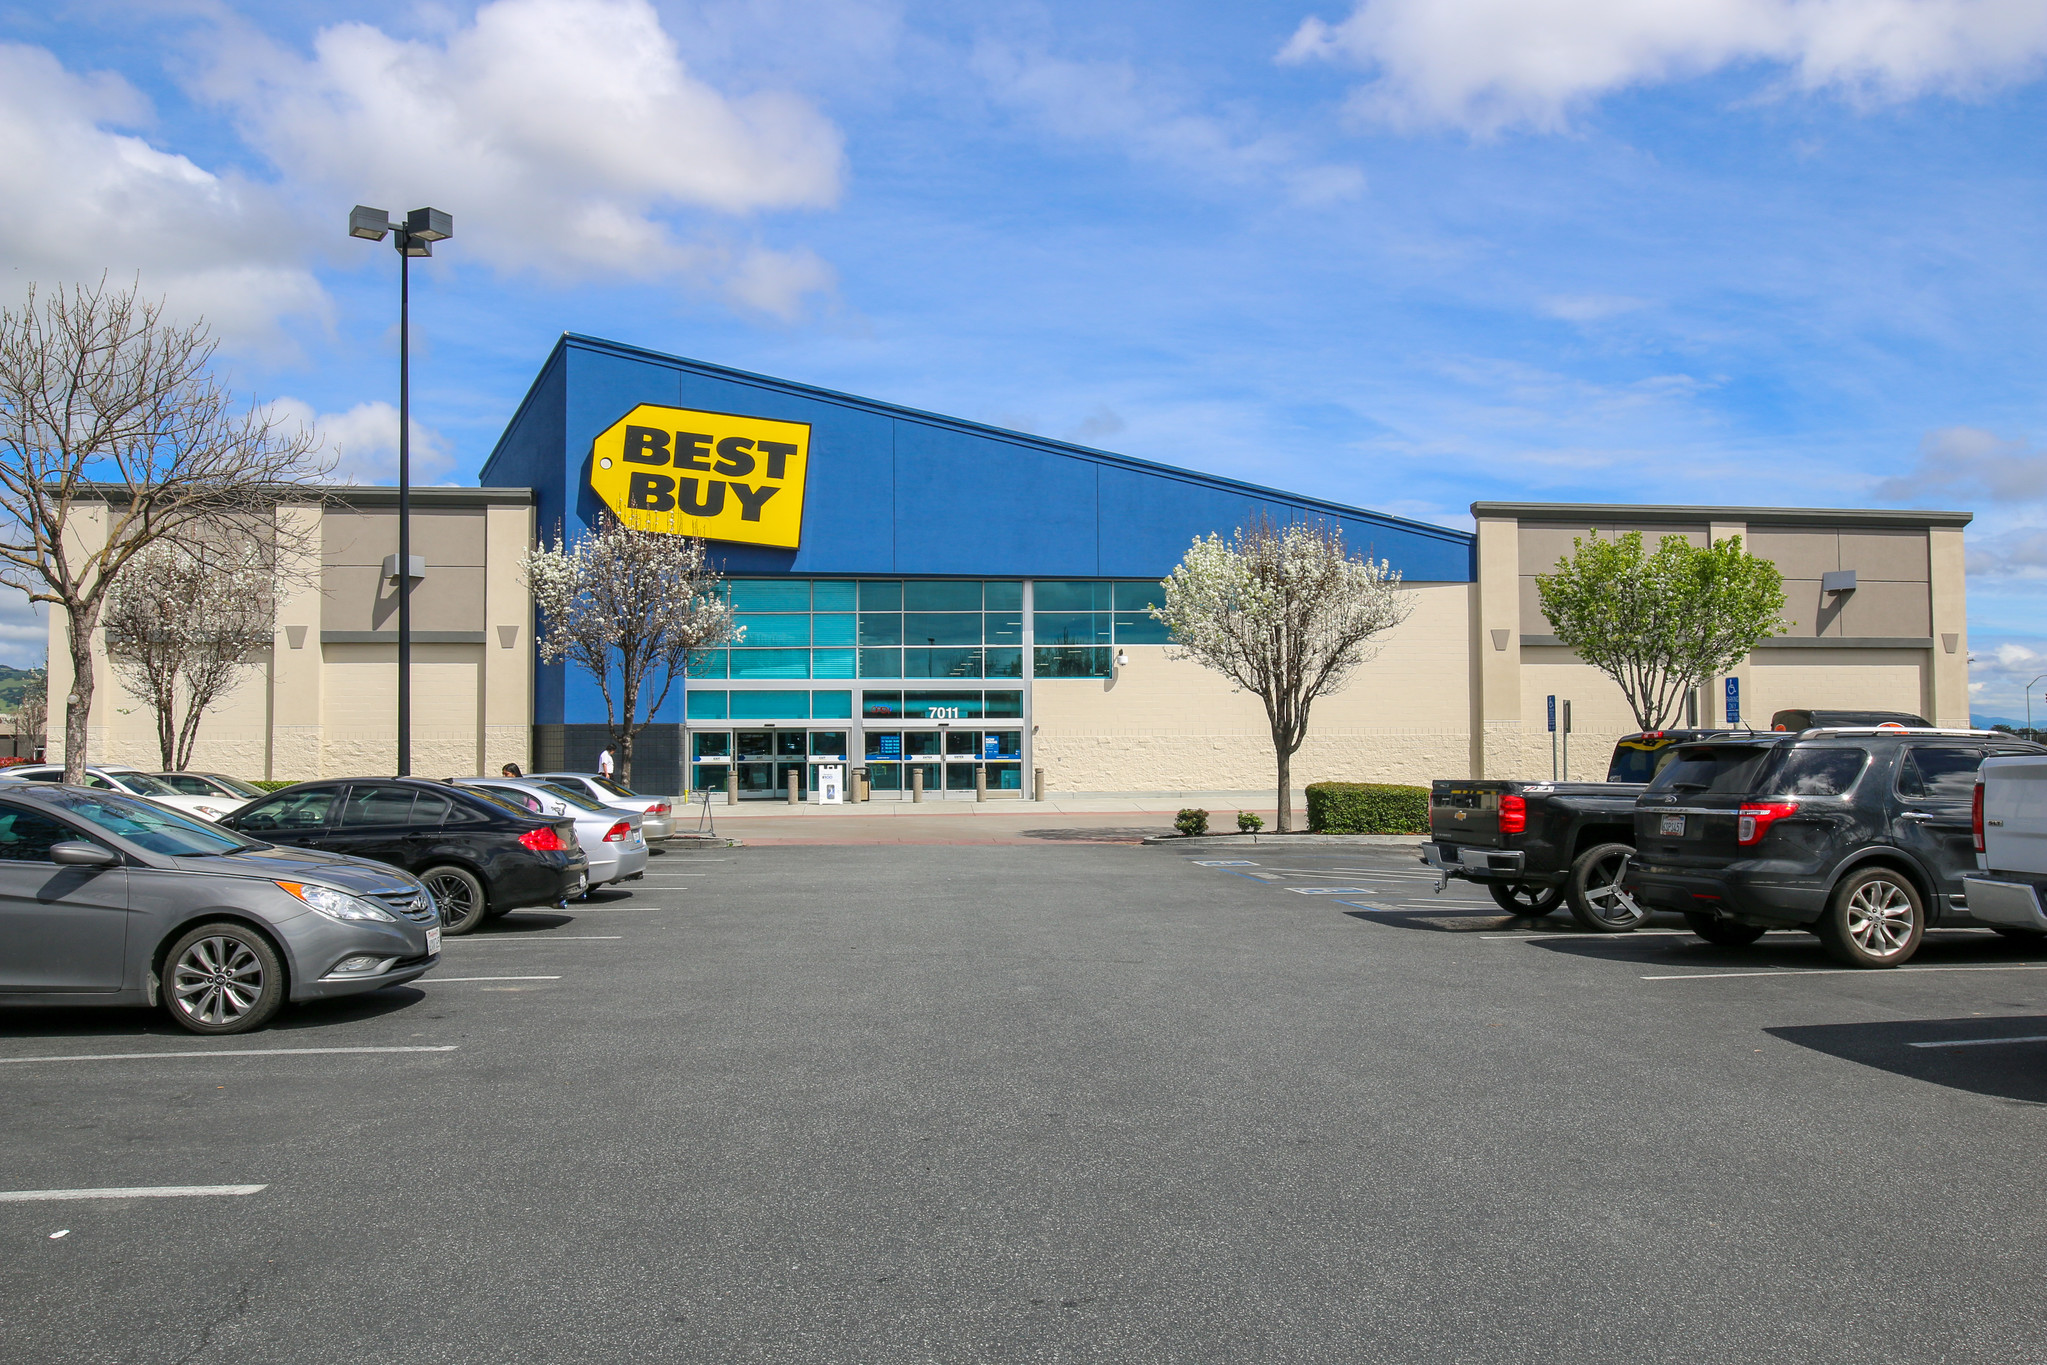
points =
(831, 789)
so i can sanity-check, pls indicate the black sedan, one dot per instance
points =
(479, 858)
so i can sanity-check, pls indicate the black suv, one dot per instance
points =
(1860, 835)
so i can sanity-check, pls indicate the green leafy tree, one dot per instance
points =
(1661, 623)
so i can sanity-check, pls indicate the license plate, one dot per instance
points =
(1673, 825)
(433, 940)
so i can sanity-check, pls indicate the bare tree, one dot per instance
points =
(630, 606)
(106, 405)
(180, 625)
(1286, 613)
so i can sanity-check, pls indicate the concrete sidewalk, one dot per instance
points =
(1218, 805)
(963, 822)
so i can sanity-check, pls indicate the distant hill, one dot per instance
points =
(12, 681)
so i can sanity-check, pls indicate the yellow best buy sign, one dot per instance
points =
(707, 474)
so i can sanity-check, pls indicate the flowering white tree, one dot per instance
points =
(181, 622)
(630, 606)
(1286, 613)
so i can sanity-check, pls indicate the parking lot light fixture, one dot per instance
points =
(415, 237)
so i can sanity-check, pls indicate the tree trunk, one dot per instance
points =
(166, 723)
(1284, 822)
(623, 774)
(82, 622)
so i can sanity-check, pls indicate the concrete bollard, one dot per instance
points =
(1037, 784)
(980, 782)
(793, 781)
(731, 786)
(917, 783)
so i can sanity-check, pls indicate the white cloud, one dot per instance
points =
(560, 133)
(1999, 672)
(79, 198)
(362, 443)
(24, 630)
(1110, 102)
(1968, 462)
(1487, 64)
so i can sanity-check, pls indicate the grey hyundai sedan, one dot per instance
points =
(110, 900)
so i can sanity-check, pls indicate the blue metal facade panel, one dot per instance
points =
(895, 491)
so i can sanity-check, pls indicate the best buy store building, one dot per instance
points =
(927, 594)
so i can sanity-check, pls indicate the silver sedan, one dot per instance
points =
(609, 835)
(106, 899)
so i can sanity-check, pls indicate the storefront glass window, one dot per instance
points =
(831, 663)
(941, 595)
(941, 663)
(706, 704)
(770, 594)
(1072, 663)
(880, 596)
(770, 663)
(709, 664)
(835, 628)
(1003, 662)
(764, 631)
(831, 705)
(881, 663)
(833, 595)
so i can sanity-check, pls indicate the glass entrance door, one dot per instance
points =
(766, 759)
(948, 757)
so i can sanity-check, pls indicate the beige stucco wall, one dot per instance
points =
(1164, 725)
(309, 707)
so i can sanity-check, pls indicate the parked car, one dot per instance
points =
(1861, 835)
(657, 812)
(2009, 816)
(210, 784)
(1795, 721)
(107, 899)
(609, 835)
(479, 857)
(1534, 845)
(134, 782)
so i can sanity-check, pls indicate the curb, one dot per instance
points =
(1215, 841)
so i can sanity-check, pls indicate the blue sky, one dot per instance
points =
(1405, 255)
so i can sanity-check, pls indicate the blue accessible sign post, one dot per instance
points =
(1552, 736)
(1734, 701)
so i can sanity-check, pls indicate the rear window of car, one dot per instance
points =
(580, 800)
(1946, 771)
(1640, 760)
(1721, 770)
(1817, 772)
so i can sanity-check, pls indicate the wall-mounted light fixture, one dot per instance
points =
(1839, 580)
(1122, 659)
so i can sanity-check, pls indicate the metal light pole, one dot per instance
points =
(415, 237)
(2029, 704)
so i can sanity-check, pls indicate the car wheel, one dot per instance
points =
(1599, 902)
(2018, 933)
(460, 897)
(1526, 900)
(223, 978)
(1724, 932)
(1875, 919)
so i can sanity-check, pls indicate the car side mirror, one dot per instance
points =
(79, 853)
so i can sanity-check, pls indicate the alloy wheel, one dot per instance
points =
(217, 980)
(1607, 898)
(455, 897)
(1880, 918)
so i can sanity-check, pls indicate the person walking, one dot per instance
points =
(511, 770)
(604, 764)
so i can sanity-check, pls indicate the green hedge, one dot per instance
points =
(269, 786)
(1367, 808)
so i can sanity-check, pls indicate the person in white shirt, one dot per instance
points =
(604, 764)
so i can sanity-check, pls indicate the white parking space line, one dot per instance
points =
(1329, 890)
(1536, 937)
(1984, 1042)
(224, 1052)
(445, 980)
(1855, 971)
(538, 938)
(127, 1192)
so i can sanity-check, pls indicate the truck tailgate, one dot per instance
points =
(2014, 814)
(1466, 812)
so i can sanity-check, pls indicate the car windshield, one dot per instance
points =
(147, 826)
(1722, 769)
(508, 800)
(142, 784)
(248, 790)
(1639, 760)
(580, 800)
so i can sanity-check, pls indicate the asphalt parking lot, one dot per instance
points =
(1076, 1101)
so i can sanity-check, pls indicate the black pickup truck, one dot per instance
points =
(1536, 845)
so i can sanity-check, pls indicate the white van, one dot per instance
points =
(2010, 816)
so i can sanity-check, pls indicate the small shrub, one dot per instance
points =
(270, 786)
(12, 762)
(1247, 823)
(1191, 822)
(1367, 808)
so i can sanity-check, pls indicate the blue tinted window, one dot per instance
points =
(771, 706)
(770, 663)
(706, 704)
(942, 663)
(881, 705)
(770, 594)
(709, 664)
(881, 663)
(880, 629)
(1065, 595)
(1003, 628)
(832, 630)
(926, 595)
(1138, 628)
(1002, 597)
(831, 706)
(1005, 705)
(881, 596)
(1139, 595)
(772, 631)
(831, 663)
(1071, 663)
(941, 628)
(942, 705)
(833, 595)
(1071, 628)
(1003, 661)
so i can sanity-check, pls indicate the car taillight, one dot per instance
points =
(618, 833)
(542, 840)
(1513, 815)
(1976, 815)
(658, 808)
(1753, 822)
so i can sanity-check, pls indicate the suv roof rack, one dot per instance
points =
(1892, 729)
